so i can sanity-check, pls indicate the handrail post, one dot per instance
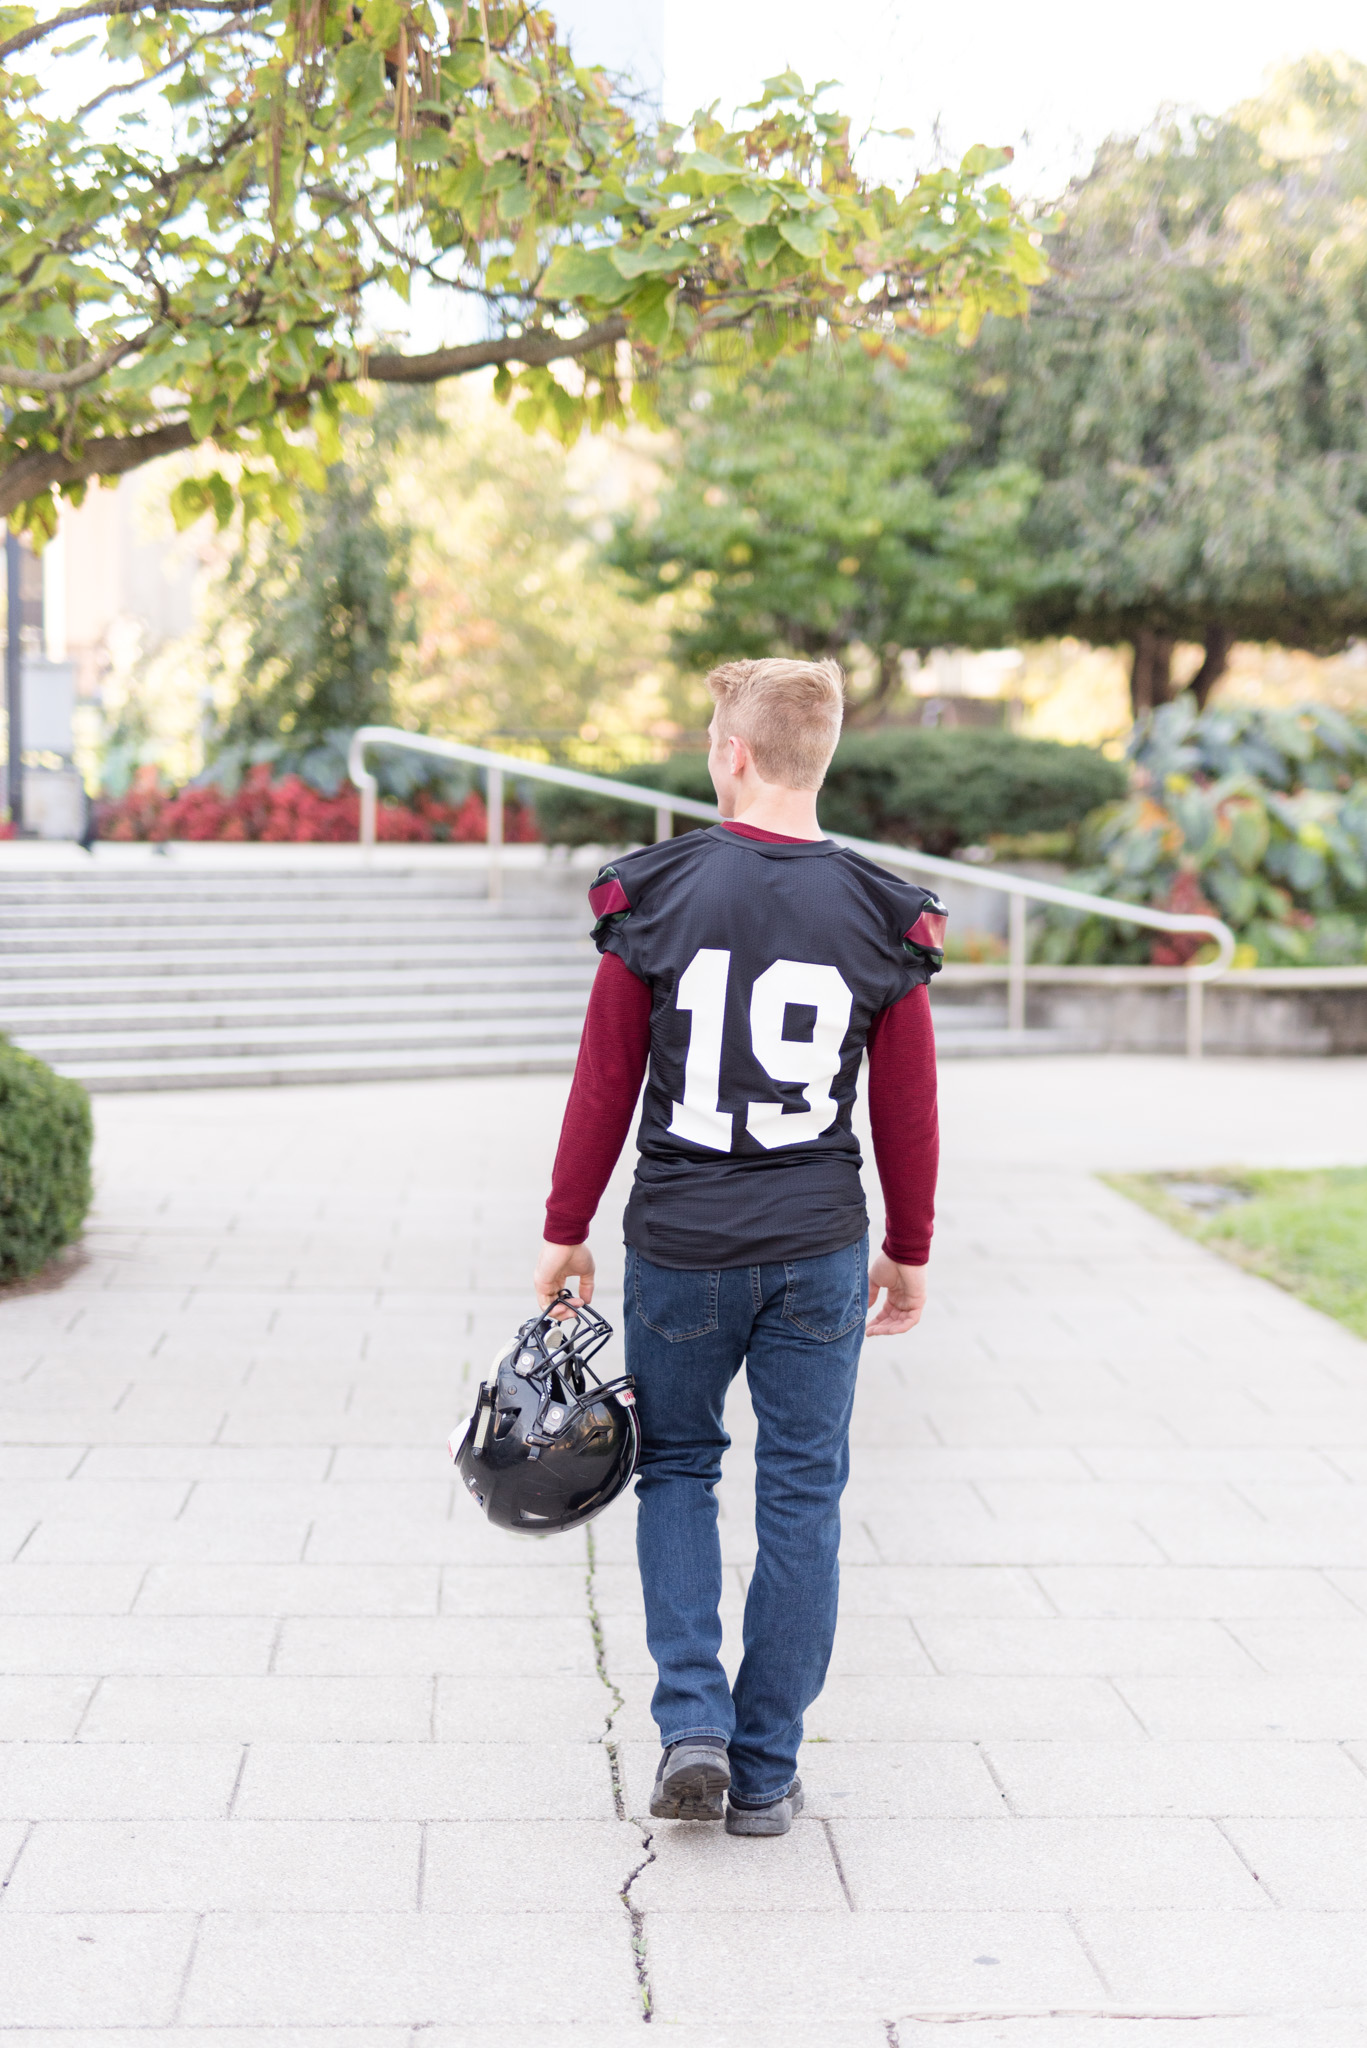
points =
(369, 792)
(1015, 963)
(494, 803)
(1196, 1017)
(664, 824)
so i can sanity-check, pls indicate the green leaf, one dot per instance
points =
(644, 259)
(761, 245)
(802, 236)
(219, 493)
(575, 272)
(514, 88)
(707, 165)
(979, 160)
(189, 501)
(203, 414)
(750, 206)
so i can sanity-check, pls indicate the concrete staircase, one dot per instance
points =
(140, 979)
(163, 974)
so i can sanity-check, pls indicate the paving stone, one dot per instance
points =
(1329, 1644)
(436, 1781)
(487, 1645)
(233, 1542)
(117, 1781)
(698, 1867)
(529, 1866)
(107, 1969)
(959, 1590)
(489, 1709)
(1314, 1709)
(285, 1589)
(1062, 1646)
(1339, 2029)
(341, 1969)
(1306, 1863)
(206, 1461)
(1057, 1865)
(40, 1709)
(811, 1965)
(49, 1589)
(221, 2037)
(970, 1707)
(249, 1709)
(38, 1461)
(745, 2032)
(555, 1589)
(1193, 1778)
(127, 1642)
(217, 1866)
(1158, 1591)
(1231, 1961)
(910, 1538)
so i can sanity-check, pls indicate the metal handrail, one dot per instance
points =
(1018, 889)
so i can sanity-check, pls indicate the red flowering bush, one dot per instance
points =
(291, 812)
(1185, 898)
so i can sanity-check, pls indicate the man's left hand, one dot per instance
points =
(906, 1296)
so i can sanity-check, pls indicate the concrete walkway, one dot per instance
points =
(304, 1753)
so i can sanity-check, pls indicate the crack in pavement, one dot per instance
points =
(639, 1953)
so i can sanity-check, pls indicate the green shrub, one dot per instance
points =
(942, 788)
(910, 785)
(45, 1137)
(1255, 816)
(571, 817)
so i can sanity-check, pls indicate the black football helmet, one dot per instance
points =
(550, 1444)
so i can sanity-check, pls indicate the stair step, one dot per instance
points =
(257, 1070)
(339, 958)
(141, 995)
(37, 1021)
(183, 1041)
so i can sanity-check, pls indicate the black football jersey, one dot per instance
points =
(767, 964)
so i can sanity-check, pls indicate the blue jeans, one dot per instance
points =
(799, 1328)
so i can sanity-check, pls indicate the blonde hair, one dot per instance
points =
(787, 712)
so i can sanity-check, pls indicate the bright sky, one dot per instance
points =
(1052, 80)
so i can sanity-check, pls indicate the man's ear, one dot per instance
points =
(737, 756)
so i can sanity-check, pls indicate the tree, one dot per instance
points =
(522, 629)
(327, 617)
(1192, 386)
(820, 508)
(193, 254)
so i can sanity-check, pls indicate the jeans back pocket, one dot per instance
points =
(675, 1304)
(827, 1296)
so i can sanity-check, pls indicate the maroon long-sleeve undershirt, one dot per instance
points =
(613, 1054)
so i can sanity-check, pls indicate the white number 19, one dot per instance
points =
(814, 1062)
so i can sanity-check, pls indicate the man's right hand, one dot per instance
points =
(554, 1269)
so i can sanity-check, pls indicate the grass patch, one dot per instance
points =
(1307, 1232)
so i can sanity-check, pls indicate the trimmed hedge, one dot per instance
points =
(932, 787)
(45, 1187)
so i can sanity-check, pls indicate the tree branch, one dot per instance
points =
(72, 380)
(94, 10)
(110, 455)
(531, 349)
(119, 454)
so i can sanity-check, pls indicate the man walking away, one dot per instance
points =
(750, 966)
